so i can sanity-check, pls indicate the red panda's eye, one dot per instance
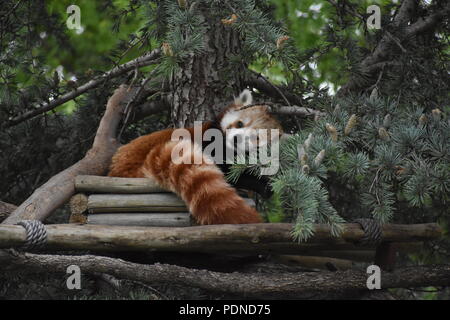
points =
(239, 124)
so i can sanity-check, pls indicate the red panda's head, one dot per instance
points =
(245, 119)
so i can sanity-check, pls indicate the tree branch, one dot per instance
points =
(405, 12)
(297, 111)
(144, 60)
(255, 285)
(428, 23)
(60, 187)
(261, 83)
(389, 45)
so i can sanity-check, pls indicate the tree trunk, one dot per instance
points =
(203, 82)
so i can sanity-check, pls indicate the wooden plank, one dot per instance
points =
(163, 202)
(99, 184)
(254, 238)
(156, 202)
(181, 219)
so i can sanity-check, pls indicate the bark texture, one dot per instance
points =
(204, 81)
(253, 285)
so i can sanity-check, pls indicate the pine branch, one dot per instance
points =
(142, 61)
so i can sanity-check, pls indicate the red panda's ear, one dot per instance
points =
(244, 99)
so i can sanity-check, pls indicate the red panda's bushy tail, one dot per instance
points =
(210, 199)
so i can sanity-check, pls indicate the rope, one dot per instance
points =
(36, 234)
(372, 231)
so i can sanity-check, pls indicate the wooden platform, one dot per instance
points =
(128, 202)
(122, 214)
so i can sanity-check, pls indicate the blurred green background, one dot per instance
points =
(89, 50)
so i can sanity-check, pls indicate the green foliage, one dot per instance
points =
(106, 27)
(393, 160)
(305, 199)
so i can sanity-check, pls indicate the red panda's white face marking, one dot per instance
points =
(245, 123)
(231, 120)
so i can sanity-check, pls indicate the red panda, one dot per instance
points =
(210, 199)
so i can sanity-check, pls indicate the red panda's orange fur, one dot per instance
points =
(211, 200)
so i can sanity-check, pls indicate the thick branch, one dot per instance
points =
(41, 108)
(254, 285)
(60, 187)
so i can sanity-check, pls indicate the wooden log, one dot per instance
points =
(79, 203)
(255, 238)
(78, 218)
(100, 184)
(78, 208)
(181, 219)
(162, 202)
